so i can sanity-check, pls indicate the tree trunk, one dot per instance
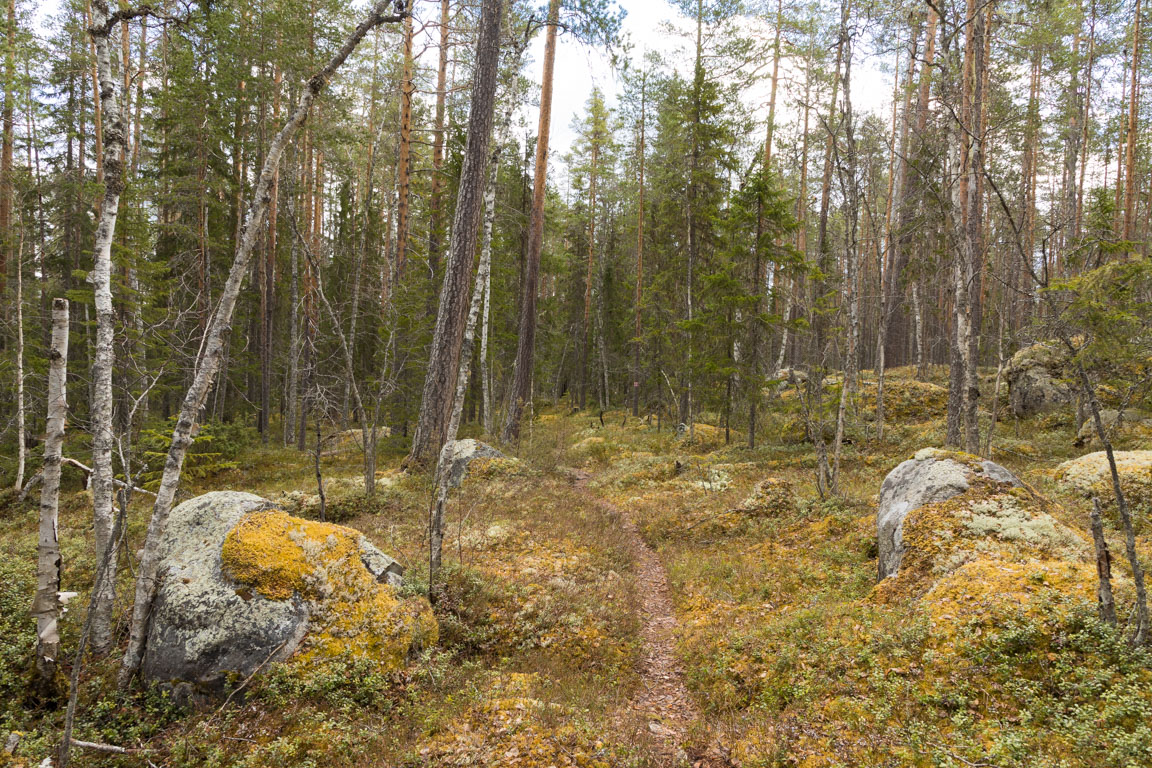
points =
(434, 201)
(46, 606)
(208, 362)
(586, 329)
(896, 338)
(403, 170)
(1130, 144)
(448, 337)
(115, 139)
(462, 248)
(520, 391)
(1105, 602)
(639, 252)
(20, 416)
(7, 145)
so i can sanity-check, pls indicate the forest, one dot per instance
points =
(771, 387)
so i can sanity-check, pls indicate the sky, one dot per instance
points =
(580, 68)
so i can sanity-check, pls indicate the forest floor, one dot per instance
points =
(616, 596)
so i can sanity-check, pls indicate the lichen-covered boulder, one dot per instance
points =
(957, 509)
(244, 584)
(464, 452)
(1127, 424)
(932, 475)
(1090, 475)
(1034, 376)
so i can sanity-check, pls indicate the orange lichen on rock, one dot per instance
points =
(351, 613)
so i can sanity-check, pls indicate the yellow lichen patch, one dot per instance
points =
(704, 437)
(496, 468)
(265, 551)
(986, 593)
(350, 612)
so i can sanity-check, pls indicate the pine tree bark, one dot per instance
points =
(208, 362)
(1130, 144)
(448, 337)
(434, 199)
(520, 391)
(46, 605)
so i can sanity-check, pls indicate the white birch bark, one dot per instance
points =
(46, 605)
(20, 451)
(212, 349)
(115, 140)
(483, 272)
(486, 258)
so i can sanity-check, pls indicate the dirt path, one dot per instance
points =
(661, 702)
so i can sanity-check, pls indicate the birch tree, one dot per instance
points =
(212, 348)
(46, 606)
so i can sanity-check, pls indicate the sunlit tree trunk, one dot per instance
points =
(434, 200)
(1130, 144)
(520, 390)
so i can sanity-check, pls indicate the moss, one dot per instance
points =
(351, 613)
(985, 594)
(986, 521)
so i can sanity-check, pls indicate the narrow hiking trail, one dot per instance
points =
(661, 702)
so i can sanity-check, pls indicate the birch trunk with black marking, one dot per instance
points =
(115, 137)
(20, 415)
(212, 349)
(46, 606)
(1106, 605)
(486, 258)
(448, 338)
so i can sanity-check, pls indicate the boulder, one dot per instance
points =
(1090, 475)
(1034, 380)
(244, 585)
(1126, 423)
(930, 476)
(943, 510)
(464, 452)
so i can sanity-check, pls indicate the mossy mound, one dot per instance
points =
(771, 498)
(988, 594)
(1090, 475)
(351, 613)
(906, 400)
(986, 522)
